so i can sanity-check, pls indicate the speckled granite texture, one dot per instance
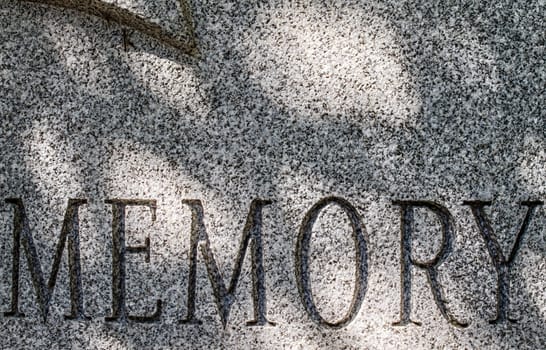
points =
(372, 101)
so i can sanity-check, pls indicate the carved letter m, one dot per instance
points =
(22, 234)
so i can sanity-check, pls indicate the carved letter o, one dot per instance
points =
(302, 261)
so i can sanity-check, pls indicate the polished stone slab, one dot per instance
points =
(346, 174)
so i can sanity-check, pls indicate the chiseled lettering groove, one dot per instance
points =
(119, 249)
(430, 267)
(224, 297)
(126, 18)
(302, 261)
(22, 234)
(252, 239)
(501, 264)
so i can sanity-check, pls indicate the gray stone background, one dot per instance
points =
(368, 100)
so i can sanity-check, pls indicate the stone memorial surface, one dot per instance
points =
(248, 174)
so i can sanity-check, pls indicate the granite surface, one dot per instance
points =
(370, 101)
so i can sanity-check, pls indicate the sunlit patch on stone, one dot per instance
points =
(314, 62)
